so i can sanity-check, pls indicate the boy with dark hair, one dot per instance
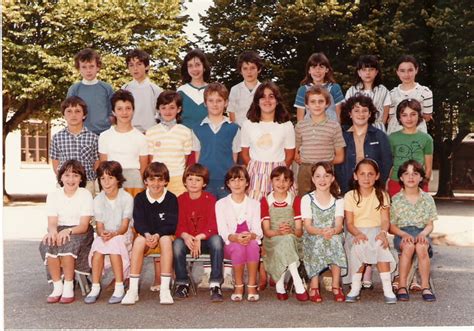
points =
(95, 93)
(144, 91)
(249, 64)
(76, 142)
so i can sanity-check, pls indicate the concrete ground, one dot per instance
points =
(25, 290)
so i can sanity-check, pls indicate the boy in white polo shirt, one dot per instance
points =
(241, 95)
(143, 90)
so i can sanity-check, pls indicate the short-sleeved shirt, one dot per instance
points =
(404, 213)
(82, 147)
(268, 140)
(112, 212)
(306, 211)
(270, 201)
(240, 99)
(69, 210)
(145, 94)
(318, 141)
(409, 147)
(123, 147)
(336, 98)
(366, 214)
(170, 146)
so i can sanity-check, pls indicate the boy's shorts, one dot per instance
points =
(157, 250)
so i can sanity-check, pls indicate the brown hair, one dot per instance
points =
(328, 168)
(75, 167)
(281, 114)
(157, 169)
(314, 60)
(379, 191)
(349, 104)
(282, 170)
(122, 95)
(167, 97)
(417, 167)
(140, 55)
(236, 171)
(87, 55)
(198, 170)
(412, 104)
(249, 57)
(111, 168)
(216, 88)
(318, 90)
(407, 58)
(74, 101)
(195, 53)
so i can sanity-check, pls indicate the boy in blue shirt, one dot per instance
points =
(95, 93)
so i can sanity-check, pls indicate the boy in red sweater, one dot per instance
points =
(197, 232)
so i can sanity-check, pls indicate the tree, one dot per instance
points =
(41, 38)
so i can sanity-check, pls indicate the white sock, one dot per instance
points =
(298, 283)
(165, 282)
(387, 284)
(356, 285)
(134, 283)
(57, 289)
(280, 285)
(68, 291)
(119, 290)
(95, 290)
(214, 284)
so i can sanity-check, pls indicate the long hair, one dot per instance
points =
(378, 186)
(314, 60)
(111, 168)
(329, 169)
(255, 113)
(369, 61)
(195, 53)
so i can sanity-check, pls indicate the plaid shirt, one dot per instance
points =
(82, 147)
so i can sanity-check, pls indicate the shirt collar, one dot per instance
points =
(90, 82)
(145, 81)
(206, 120)
(153, 200)
(84, 129)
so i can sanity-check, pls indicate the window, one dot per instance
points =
(35, 138)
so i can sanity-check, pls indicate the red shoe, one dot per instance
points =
(66, 300)
(53, 299)
(272, 282)
(282, 296)
(339, 296)
(317, 296)
(302, 296)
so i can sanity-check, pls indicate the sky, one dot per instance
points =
(194, 8)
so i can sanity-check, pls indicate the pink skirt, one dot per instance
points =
(118, 246)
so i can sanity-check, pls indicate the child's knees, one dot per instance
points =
(422, 251)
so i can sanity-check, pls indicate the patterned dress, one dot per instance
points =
(281, 251)
(320, 253)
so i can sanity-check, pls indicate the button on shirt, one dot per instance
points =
(82, 147)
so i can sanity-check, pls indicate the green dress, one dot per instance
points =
(320, 253)
(281, 251)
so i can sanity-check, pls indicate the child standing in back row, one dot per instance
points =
(95, 93)
(319, 72)
(250, 65)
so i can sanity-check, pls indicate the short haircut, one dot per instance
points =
(412, 104)
(282, 170)
(328, 168)
(350, 103)
(138, 54)
(195, 53)
(87, 55)
(369, 61)
(249, 57)
(111, 168)
(236, 171)
(318, 90)
(198, 170)
(417, 167)
(74, 166)
(167, 97)
(216, 88)
(407, 58)
(157, 169)
(74, 101)
(122, 95)
(255, 113)
(314, 60)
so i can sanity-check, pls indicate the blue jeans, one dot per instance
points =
(214, 246)
(217, 189)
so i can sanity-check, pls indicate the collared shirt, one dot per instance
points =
(153, 200)
(240, 99)
(419, 214)
(82, 147)
(215, 128)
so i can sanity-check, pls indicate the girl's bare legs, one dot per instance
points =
(239, 278)
(252, 268)
(336, 278)
(408, 249)
(423, 264)
(97, 267)
(67, 263)
(54, 268)
(117, 267)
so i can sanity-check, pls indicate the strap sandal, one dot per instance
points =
(252, 297)
(403, 296)
(339, 296)
(237, 296)
(316, 297)
(395, 284)
(428, 297)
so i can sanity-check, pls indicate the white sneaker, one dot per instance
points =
(165, 297)
(228, 283)
(130, 298)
